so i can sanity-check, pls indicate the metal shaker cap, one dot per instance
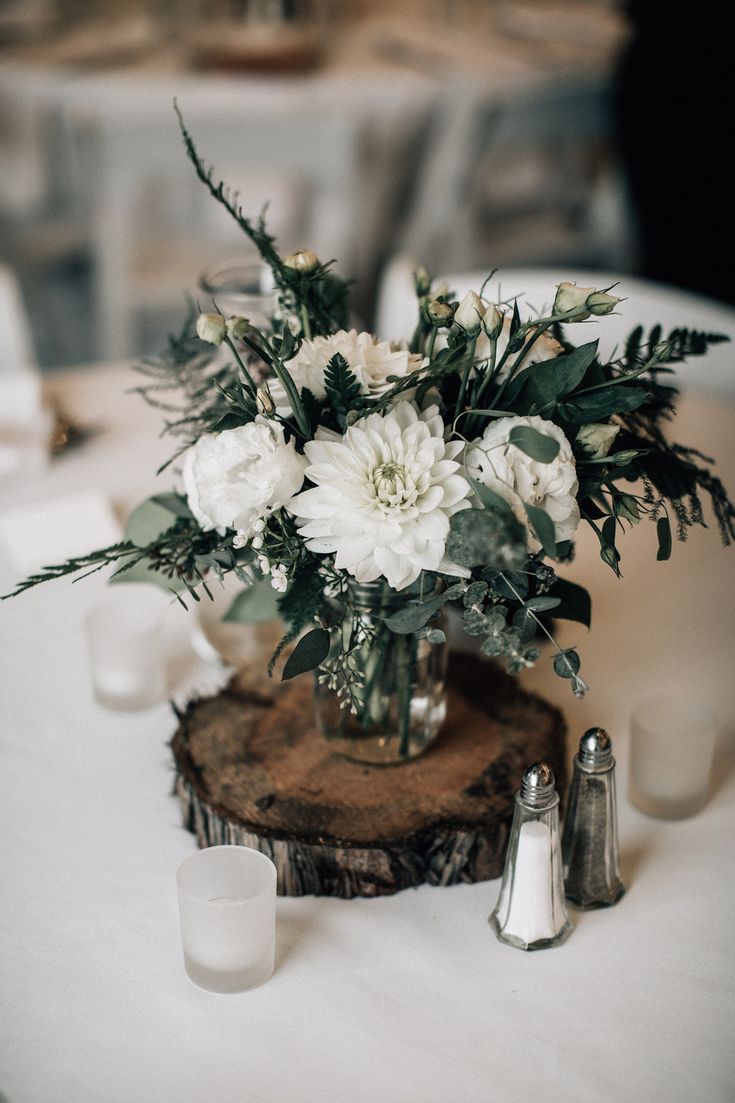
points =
(537, 786)
(595, 750)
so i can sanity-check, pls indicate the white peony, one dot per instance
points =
(235, 477)
(370, 360)
(517, 478)
(383, 497)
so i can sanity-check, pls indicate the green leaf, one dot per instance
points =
(255, 604)
(542, 604)
(566, 663)
(149, 521)
(311, 650)
(543, 526)
(598, 405)
(341, 384)
(575, 602)
(511, 585)
(175, 504)
(484, 538)
(535, 444)
(413, 617)
(143, 571)
(490, 499)
(663, 531)
(552, 379)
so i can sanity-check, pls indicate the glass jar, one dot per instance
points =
(380, 698)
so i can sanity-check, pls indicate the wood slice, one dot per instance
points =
(252, 769)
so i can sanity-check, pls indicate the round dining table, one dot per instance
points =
(398, 999)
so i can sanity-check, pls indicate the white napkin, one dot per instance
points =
(48, 532)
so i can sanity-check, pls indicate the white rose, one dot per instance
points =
(235, 477)
(517, 478)
(596, 438)
(371, 362)
(492, 320)
(211, 328)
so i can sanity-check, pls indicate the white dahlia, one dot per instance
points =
(370, 360)
(517, 478)
(235, 477)
(383, 497)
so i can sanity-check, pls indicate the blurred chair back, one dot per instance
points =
(16, 343)
(513, 178)
(154, 226)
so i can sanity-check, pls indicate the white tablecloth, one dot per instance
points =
(406, 999)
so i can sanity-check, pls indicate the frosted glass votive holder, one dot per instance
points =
(127, 647)
(672, 743)
(227, 908)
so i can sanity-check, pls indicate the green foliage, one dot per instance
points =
(341, 385)
(311, 650)
(537, 445)
(481, 537)
(255, 604)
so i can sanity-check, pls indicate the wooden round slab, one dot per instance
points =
(252, 769)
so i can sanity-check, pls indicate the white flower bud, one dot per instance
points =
(211, 328)
(259, 525)
(599, 303)
(596, 438)
(422, 281)
(257, 542)
(237, 327)
(440, 314)
(304, 260)
(279, 580)
(492, 320)
(469, 313)
(570, 297)
(264, 400)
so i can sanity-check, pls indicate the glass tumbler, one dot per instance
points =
(227, 908)
(127, 648)
(672, 743)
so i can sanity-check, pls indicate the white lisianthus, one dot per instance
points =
(570, 297)
(470, 312)
(596, 438)
(234, 478)
(211, 328)
(504, 468)
(383, 497)
(492, 320)
(371, 362)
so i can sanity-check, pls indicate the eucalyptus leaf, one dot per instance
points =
(143, 571)
(311, 650)
(256, 604)
(413, 617)
(535, 444)
(542, 604)
(566, 663)
(543, 526)
(526, 623)
(490, 499)
(149, 521)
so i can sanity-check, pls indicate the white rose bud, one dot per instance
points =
(469, 313)
(597, 438)
(237, 327)
(422, 281)
(492, 320)
(211, 328)
(570, 297)
(599, 302)
(304, 260)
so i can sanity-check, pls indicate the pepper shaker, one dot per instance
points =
(530, 913)
(590, 837)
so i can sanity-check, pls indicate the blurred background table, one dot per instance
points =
(405, 999)
(432, 129)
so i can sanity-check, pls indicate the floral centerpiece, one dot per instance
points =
(361, 488)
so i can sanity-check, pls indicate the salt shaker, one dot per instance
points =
(590, 837)
(530, 913)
